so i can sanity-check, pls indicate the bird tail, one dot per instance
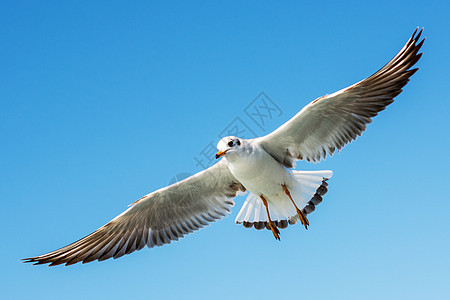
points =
(307, 192)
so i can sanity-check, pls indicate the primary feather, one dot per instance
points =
(330, 122)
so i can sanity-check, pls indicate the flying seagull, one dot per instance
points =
(278, 196)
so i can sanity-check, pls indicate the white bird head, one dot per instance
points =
(228, 144)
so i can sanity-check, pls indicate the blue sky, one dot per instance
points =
(103, 102)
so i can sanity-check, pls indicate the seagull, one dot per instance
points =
(278, 195)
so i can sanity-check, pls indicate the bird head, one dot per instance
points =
(228, 144)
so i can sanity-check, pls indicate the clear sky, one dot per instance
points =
(104, 102)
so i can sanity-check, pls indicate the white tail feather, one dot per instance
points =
(305, 186)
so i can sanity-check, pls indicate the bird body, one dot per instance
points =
(278, 196)
(258, 172)
(263, 176)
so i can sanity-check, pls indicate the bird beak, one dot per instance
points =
(220, 154)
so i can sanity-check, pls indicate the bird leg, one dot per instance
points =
(275, 231)
(302, 216)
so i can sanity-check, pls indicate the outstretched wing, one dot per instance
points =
(156, 219)
(330, 122)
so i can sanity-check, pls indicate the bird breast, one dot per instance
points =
(259, 173)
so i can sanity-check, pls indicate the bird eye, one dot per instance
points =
(238, 142)
(230, 143)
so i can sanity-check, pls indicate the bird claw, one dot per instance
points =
(303, 219)
(301, 215)
(275, 231)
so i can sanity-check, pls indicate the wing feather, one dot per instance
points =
(158, 218)
(332, 121)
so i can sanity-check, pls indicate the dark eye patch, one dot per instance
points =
(230, 143)
(238, 142)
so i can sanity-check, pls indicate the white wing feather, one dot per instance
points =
(156, 219)
(332, 121)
